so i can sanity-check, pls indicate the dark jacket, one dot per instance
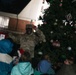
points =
(67, 70)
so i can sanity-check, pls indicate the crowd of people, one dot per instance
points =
(15, 59)
(21, 63)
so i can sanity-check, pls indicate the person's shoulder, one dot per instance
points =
(14, 69)
(74, 67)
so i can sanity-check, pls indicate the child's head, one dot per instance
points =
(25, 57)
(69, 61)
(46, 57)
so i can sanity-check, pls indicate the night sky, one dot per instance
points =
(13, 6)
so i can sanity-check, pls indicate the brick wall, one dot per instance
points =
(18, 25)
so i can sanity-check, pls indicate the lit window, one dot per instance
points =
(4, 21)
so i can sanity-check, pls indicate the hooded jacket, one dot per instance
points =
(5, 59)
(22, 68)
(45, 67)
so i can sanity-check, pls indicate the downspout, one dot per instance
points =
(16, 22)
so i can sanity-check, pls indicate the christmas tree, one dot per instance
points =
(60, 29)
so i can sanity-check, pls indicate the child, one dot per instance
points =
(24, 66)
(6, 64)
(68, 67)
(45, 66)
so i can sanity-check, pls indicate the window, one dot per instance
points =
(4, 21)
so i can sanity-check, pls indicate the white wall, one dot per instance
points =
(31, 11)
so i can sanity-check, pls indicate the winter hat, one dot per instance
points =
(22, 51)
(6, 46)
